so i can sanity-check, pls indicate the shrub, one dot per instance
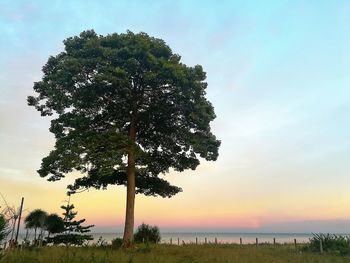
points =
(147, 233)
(3, 228)
(330, 243)
(117, 242)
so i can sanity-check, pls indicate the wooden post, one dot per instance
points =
(321, 247)
(240, 241)
(178, 241)
(13, 230)
(256, 241)
(274, 241)
(19, 218)
(295, 243)
(205, 240)
(196, 241)
(171, 241)
(216, 240)
(26, 238)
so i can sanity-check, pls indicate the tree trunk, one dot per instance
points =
(128, 237)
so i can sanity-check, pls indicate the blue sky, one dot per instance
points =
(278, 79)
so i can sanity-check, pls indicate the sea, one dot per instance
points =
(223, 238)
(178, 238)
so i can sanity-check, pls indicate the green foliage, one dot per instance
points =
(72, 225)
(117, 242)
(144, 248)
(70, 239)
(147, 234)
(100, 85)
(54, 224)
(73, 231)
(3, 228)
(36, 219)
(330, 243)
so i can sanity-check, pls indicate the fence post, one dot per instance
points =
(240, 241)
(171, 241)
(19, 219)
(256, 241)
(274, 241)
(196, 241)
(321, 247)
(295, 243)
(205, 240)
(216, 240)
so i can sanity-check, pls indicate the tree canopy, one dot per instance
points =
(54, 224)
(35, 219)
(94, 87)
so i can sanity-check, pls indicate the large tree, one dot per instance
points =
(125, 110)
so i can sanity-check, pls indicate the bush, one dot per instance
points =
(147, 233)
(330, 243)
(117, 242)
(3, 228)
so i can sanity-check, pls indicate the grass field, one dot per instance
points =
(170, 254)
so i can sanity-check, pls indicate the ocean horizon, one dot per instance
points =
(209, 237)
(181, 237)
(221, 237)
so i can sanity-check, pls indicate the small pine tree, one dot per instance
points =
(74, 232)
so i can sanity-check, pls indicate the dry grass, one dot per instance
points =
(170, 254)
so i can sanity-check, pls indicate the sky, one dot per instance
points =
(277, 74)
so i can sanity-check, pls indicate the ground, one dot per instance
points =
(171, 254)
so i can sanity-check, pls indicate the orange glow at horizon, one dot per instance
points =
(191, 209)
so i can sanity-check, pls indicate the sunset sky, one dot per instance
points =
(278, 75)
